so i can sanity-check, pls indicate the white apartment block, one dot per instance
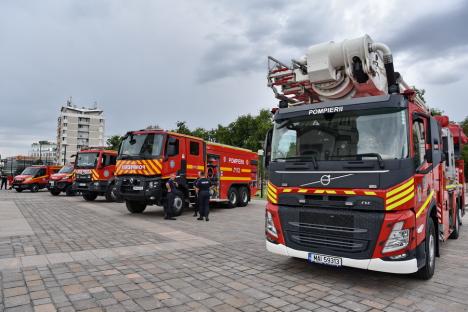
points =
(78, 128)
(47, 151)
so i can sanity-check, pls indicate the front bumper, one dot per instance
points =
(58, 185)
(95, 186)
(21, 186)
(375, 264)
(140, 189)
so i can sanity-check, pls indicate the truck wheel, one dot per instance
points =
(89, 196)
(135, 207)
(243, 197)
(456, 230)
(460, 213)
(55, 192)
(179, 204)
(19, 190)
(69, 191)
(427, 271)
(34, 188)
(233, 197)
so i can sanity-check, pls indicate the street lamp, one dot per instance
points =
(64, 154)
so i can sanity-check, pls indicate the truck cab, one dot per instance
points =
(147, 158)
(34, 178)
(94, 174)
(62, 181)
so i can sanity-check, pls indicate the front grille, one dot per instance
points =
(339, 232)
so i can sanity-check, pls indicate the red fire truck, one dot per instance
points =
(148, 157)
(361, 174)
(34, 178)
(94, 174)
(62, 181)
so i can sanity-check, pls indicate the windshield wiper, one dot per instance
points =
(127, 156)
(360, 156)
(308, 157)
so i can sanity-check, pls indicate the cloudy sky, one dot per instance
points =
(155, 62)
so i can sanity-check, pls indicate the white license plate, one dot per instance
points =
(138, 188)
(52, 183)
(83, 184)
(323, 259)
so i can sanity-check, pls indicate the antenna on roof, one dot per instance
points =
(69, 101)
(95, 105)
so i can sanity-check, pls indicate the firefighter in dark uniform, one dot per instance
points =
(196, 207)
(171, 186)
(203, 190)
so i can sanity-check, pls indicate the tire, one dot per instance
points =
(112, 194)
(179, 205)
(233, 197)
(69, 191)
(19, 190)
(135, 207)
(89, 196)
(55, 192)
(34, 188)
(427, 271)
(456, 230)
(243, 197)
(460, 213)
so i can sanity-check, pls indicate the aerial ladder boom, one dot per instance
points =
(329, 71)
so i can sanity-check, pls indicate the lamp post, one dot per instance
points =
(64, 154)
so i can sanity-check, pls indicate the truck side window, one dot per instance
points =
(418, 142)
(113, 160)
(41, 172)
(194, 148)
(105, 160)
(172, 147)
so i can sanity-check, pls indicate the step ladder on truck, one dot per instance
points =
(361, 174)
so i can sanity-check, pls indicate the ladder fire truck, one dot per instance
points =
(148, 157)
(361, 174)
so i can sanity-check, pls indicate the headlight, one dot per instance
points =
(270, 225)
(398, 238)
(27, 179)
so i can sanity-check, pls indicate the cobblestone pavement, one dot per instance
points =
(71, 255)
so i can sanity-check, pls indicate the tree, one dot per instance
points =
(182, 128)
(436, 111)
(113, 142)
(420, 93)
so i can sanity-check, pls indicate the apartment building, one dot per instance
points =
(78, 128)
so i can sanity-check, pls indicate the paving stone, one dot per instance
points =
(45, 308)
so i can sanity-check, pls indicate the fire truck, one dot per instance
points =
(361, 175)
(34, 178)
(62, 181)
(147, 158)
(94, 174)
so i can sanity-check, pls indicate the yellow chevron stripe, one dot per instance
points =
(350, 192)
(330, 191)
(319, 191)
(400, 188)
(400, 195)
(272, 194)
(272, 200)
(226, 169)
(273, 189)
(246, 170)
(158, 164)
(426, 203)
(400, 202)
(369, 193)
(288, 190)
(302, 191)
(152, 165)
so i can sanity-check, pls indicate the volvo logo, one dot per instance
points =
(325, 179)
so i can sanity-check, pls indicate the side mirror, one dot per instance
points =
(267, 148)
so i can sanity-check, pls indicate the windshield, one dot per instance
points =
(30, 171)
(66, 169)
(143, 145)
(342, 136)
(87, 160)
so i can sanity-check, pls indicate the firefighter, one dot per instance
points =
(4, 181)
(171, 186)
(203, 189)
(196, 206)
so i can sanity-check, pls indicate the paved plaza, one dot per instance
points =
(65, 254)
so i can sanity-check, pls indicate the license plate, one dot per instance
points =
(138, 188)
(15, 186)
(52, 183)
(82, 184)
(323, 259)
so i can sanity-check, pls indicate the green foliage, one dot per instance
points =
(246, 131)
(436, 111)
(420, 93)
(113, 142)
(464, 125)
